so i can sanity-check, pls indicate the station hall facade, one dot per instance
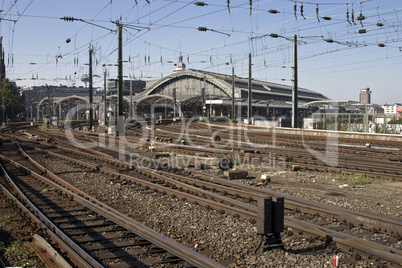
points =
(187, 93)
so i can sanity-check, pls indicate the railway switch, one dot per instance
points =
(270, 222)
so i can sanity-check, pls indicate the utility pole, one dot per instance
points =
(131, 98)
(105, 100)
(90, 90)
(233, 95)
(250, 94)
(204, 98)
(4, 107)
(120, 80)
(294, 90)
(174, 103)
(31, 103)
(49, 110)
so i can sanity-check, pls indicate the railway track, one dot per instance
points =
(358, 246)
(342, 158)
(91, 233)
(283, 152)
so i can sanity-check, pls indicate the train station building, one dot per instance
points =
(184, 93)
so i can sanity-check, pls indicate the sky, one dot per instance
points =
(342, 46)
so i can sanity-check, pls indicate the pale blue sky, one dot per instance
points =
(334, 58)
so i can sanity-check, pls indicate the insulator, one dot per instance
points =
(362, 31)
(329, 40)
(202, 29)
(379, 24)
(381, 45)
(201, 4)
(274, 35)
(273, 11)
(327, 18)
(361, 18)
(68, 18)
(316, 13)
(302, 10)
(295, 10)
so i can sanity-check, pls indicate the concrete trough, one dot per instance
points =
(236, 174)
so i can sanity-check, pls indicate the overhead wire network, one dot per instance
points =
(334, 37)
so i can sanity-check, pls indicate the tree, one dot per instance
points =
(10, 101)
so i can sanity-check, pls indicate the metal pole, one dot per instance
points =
(294, 90)
(210, 104)
(105, 100)
(204, 102)
(204, 105)
(4, 109)
(174, 103)
(131, 98)
(233, 95)
(250, 96)
(120, 79)
(90, 91)
(60, 115)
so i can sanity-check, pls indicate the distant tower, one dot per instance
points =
(2, 65)
(365, 96)
(180, 66)
(85, 79)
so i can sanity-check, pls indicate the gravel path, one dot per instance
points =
(223, 237)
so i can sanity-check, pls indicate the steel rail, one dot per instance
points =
(371, 221)
(147, 233)
(368, 249)
(76, 254)
(239, 207)
(310, 164)
(357, 218)
(353, 167)
(49, 256)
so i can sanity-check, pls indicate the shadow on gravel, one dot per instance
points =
(315, 250)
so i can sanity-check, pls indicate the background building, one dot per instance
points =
(365, 96)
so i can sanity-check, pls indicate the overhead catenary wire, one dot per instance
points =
(239, 35)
